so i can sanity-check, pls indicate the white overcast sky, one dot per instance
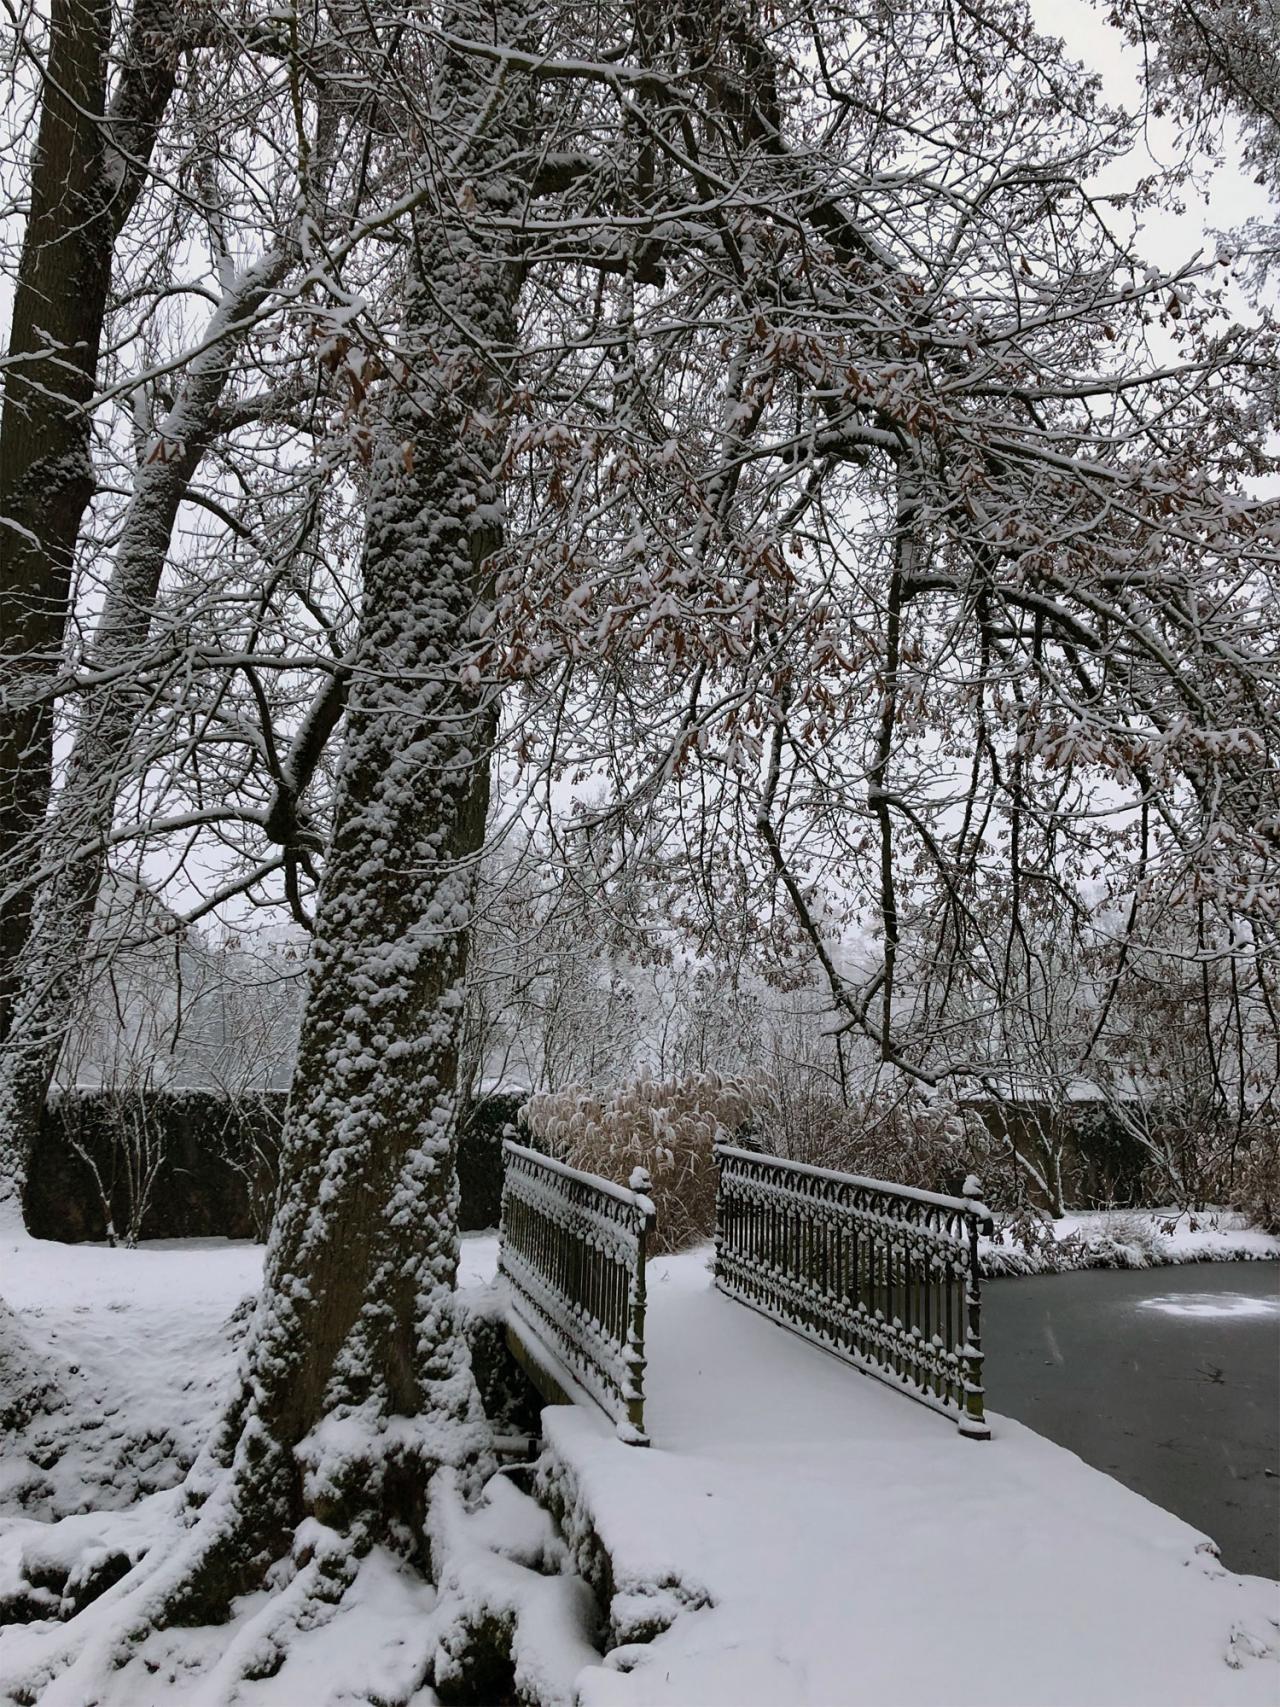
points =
(1231, 196)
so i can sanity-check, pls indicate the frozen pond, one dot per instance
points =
(1167, 1378)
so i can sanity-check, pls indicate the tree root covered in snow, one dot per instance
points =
(186, 1579)
(510, 1619)
(55, 1570)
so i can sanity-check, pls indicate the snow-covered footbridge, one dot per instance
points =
(884, 1276)
(798, 1534)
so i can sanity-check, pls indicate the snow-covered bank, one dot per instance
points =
(1122, 1238)
(815, 1540)
(137, 1347)
(799, 1536)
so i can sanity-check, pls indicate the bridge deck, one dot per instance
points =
(856, 1549)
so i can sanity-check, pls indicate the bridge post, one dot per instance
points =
(973, 1424)
(719, 1234)
(641, 1184)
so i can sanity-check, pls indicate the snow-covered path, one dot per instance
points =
(855, 1549)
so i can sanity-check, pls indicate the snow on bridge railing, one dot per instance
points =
(572, 1255)
(883, 1275)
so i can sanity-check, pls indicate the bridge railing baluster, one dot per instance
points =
(881, 1274)
(571, 1257)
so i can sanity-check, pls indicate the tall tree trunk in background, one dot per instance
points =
(45, 474)
(87, 171)
(49, 971)
(358, 1380)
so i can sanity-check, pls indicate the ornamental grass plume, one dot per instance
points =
(668, 1126)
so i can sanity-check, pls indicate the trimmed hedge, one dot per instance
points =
(484, 1125)
(217, 1178)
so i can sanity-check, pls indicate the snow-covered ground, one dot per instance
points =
(139, 1345)
(1124, 1238)
(807, 1537)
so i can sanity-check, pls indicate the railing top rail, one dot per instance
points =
(606, 1188)
(935, 1199)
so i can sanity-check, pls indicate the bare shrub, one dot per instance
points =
(124, 1157)
(933, 1144)
(1254, 1187)
(245, 1136)
(927, 1143)
(669, 1126)
(1199, 1154)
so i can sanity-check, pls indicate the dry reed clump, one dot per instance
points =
(669, 1126)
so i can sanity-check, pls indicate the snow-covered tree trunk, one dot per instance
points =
(50, 966)
(45, 478)
(358, 1381)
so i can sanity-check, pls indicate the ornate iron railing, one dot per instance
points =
(880, 1274)
(572, 1255)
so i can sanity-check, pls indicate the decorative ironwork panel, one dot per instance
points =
(880, 1274)
(572, 1255)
